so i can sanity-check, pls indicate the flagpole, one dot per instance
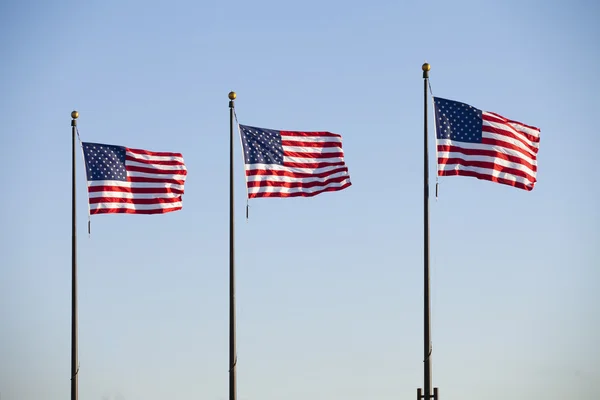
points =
(74, 368)
(232, 347)
(426, 317)
(426, 307)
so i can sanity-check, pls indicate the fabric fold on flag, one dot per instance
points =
(292, 163)
(485, 145)
(133, 181)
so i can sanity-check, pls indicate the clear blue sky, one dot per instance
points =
(329, 288)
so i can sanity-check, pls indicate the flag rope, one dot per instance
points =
(247, 205)
(437, 183)
(84, 165)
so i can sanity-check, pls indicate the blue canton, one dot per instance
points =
(104, 162)
(261, 146)
(457, 121)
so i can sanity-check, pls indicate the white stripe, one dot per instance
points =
(275, 167)
(481, 158)
(525, 129)
(155, 158)
(268, 189)
(101, 206)
(273, 178)
(156, 176)
(487, 171)
(312, 149)
(125, 195)
(157, 166)
(479, 146)
(516, 125)
(135, 184)
(511, 130)
(302, 160)
(319, 139)
(511, 140)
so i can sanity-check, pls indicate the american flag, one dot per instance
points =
(485, 145)
(292, 163)
(133, 181)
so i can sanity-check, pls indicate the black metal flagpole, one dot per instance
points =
(74, 368)
(426, 308)
(232, 348)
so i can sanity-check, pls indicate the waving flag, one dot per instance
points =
(485, 145)
(124, 180)
(291, 163)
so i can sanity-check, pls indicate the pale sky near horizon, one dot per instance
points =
(329, 289)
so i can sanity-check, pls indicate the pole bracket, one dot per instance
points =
(434, 396)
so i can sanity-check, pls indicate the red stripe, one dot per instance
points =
(500, 118)
(130, 211)
(500, 143)
(511, 135)
(156, 170)
(265, 172)
(140, 179)
(308, 134)
(289, 185)
(312, 165)
(298, 194)
(486, 178)
(488, 153)
(96, 200)
(154, 162)
(154, 153)
(121, 189)
(486, 165)
(312, 155)
(531, 138)
(310, 144)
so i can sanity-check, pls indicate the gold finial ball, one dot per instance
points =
(74, 114)
(426, 67)
(232, 95)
